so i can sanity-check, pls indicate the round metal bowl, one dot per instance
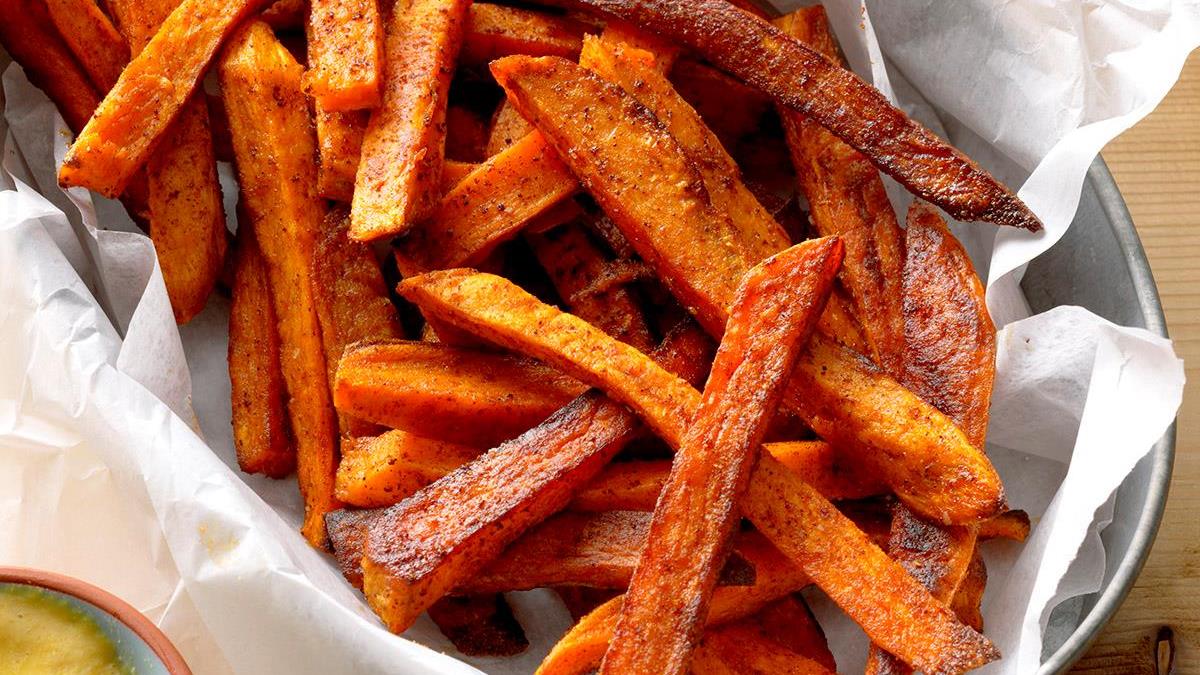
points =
(1100, 265)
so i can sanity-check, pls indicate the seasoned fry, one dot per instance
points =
(285, 14)
(153, 89)
(629, 69)
(967, 599)
(454, 172)
(581, 600)
(449, 393)
(730, 108)
(840, 323)
(508, 127)
(664, 52)
(494, 31)
(440, 537)
(489, 206)
(93, 39)
(775, 312)
(345, 53)
(624, 486)
(847, 198)
(1013, 525)
(480, 625)
(339, 145)
(801, 78)
(383, 470)
(260, 426)
(791, 623)
(742, 648)
(821, 466)
(581, 649)
(400, 173)
(274, 143)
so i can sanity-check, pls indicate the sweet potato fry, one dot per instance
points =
(285, 14)
(801, 78)
(1012, 525)
(574, 262)
(352, 301)
(665, 53)
(434, 541)
(345, 53)
(624, 486)
(489, 206)
(454, 172)
(152, 90)
(93, 39)
(581, 600)
(729, 107)
(382, 470)
(581, 649)
(791, 623)
(339, 145)
(494, 31)
(454, 394)
(466, 134)
(480, 625)
(400, 172)
(840, 323)
(743, 648)
(508, 127)
(260, 426)
(967, 599)
(635, 74)
(274, 144)
(846, 197)
(774, 313)
(821, 466)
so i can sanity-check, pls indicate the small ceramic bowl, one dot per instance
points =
(139, 643)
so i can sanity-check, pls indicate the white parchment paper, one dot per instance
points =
(116, 457)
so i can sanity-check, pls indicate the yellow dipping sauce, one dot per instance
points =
(42, 634)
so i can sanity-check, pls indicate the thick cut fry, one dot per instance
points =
(821, 466)
(800, 77)
(150, 94)
(274, 144)
(454, 172)
(791, 623)
(381, 471)
(581, 649)
(624, 486)
(774, 313)
(440, 537)
(840, 323)
(449, 393)
(892, 608)
(489, 206)
(93, 39)
(352, 300)
(574, 262)
(722, 178)
(339, 146)
(399, 176)
(846, 197)
(665, 53)
(260, 427)
(613, 143)
(743, 648)
(730, 108)
(345, 53)
(494, 31)
(480, 625)
(508, 127)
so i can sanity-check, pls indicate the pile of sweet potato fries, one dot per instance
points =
(602, 296)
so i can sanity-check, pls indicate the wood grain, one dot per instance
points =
(1157, 166)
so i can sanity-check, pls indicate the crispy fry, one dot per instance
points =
(440, 537)
(581, 649)
(508, 127)
(466, 135)
(459, 395)
(454, 172)
(624, 486)
(1012, 525)
(664, 52)
(399, 175)
(743, 648)
(345, 53)
(840, 323)
(967, 599)
(260, 426)
(773, 315)
(339, 146)
(821, 466)
(381, 471)
(152, 90)
(480, 625)
(629, 69)
(489, 206)
(791, 623)
(730, 108)
(93, 39)
(352, 301)
(274, 144)
(494, 31)
(801, 78)
(846, 197)
(574, 262)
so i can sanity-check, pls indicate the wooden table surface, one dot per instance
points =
(1157, 166)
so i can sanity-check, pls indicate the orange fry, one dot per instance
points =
(381, 471)
(744, 648)
(339, 146)
(93, 39)
(480, 625)
(791, 623)
(508, 127)
(345, 60)
(496, 30)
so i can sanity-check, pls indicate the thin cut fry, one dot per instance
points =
(489, 206)
(260, 426)
(801, 78)
(345, 53)
(494, 31)
(440, 537)
(480, 625)
(437, 391)
(846, 197)
(93, 39)
(791, 623)
(399, 176)
(381, 471)
(148, 97)
(742, 648)
(274, 144)
(773, 315)
(339, 146)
